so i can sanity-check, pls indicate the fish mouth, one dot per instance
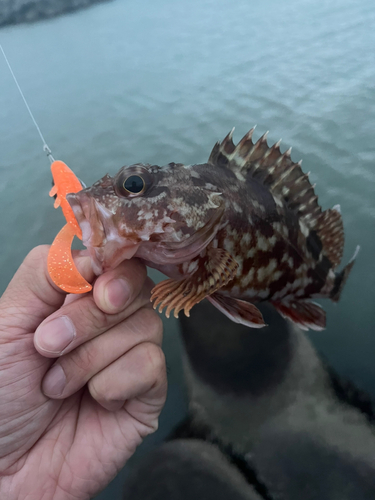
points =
(99, 233)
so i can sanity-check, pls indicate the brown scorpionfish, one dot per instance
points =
(242, 228)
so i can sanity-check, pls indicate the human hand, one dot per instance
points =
(68, 426)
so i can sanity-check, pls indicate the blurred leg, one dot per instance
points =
(187, 470)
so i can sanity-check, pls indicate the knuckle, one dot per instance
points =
(36, 258)
(145, 293)
(82, 359)
(98, 317)
(37, 253)
(91, 315)
(100, 390)
(95, 389)
(153, 359)
(152, 324)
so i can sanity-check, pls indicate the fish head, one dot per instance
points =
(156, 213)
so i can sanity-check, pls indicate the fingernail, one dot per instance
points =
(55, 335)
(54, 382)
(116, 294)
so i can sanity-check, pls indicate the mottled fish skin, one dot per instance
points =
(245, 226)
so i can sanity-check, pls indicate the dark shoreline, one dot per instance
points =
(28, 11)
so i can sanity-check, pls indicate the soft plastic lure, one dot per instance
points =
(61, 267)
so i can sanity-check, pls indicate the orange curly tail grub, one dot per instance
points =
(60, 263)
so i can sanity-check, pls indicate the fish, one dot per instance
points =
(242, 228)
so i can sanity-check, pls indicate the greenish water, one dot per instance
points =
(160, 81)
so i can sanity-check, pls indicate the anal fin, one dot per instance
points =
(306, 314)
(238, 311)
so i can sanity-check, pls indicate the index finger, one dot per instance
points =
(82, 320)
(31, 296)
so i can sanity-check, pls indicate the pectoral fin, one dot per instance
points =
(238, 311)
(303, 313)
(212, 272)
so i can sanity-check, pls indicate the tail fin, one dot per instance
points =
(341, 278)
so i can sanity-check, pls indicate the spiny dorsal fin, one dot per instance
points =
(286, 181)
(274, 169)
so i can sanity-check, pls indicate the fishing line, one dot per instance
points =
(45, 146)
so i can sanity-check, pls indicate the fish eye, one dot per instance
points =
(134, 184)
(133, 181)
